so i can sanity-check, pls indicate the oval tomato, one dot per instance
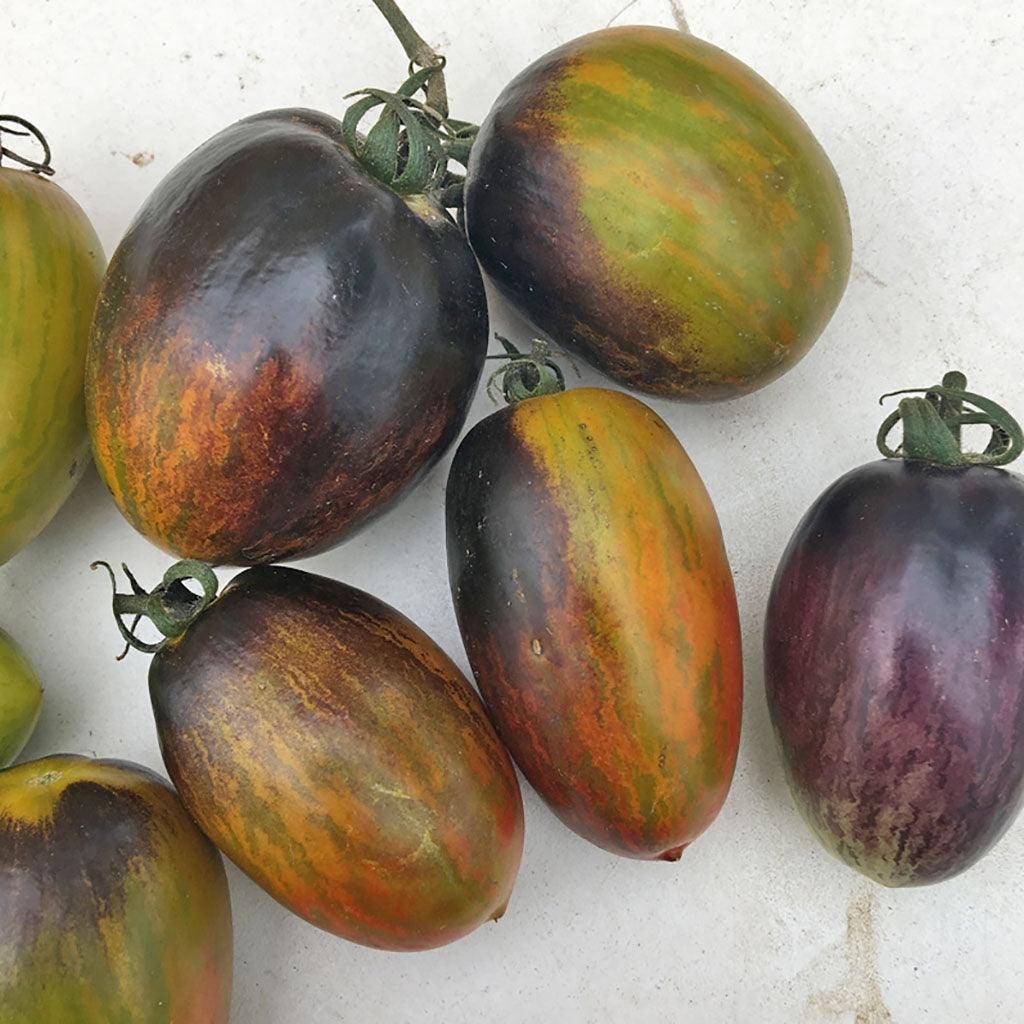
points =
(282, 346)
(597, 607)
(894, 657)
(339, 758)
(51, 264)
(649, 201)
(113, 906)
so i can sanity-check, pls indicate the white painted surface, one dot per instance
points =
(920, 109)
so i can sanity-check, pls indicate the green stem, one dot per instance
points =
(932, 426)
(525, 374)
(419, 53)
(36, 166)
(170, 606)
(951, 407)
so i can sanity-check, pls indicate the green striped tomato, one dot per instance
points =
(113, 906)
(650, 202)
(51, 265)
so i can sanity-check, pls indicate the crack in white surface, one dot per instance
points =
(619, 14)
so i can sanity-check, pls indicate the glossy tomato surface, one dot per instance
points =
(21, 699)
(51, 265)
(281, 348)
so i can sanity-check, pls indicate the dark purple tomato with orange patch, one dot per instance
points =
(652, 203)
(894, 650)
(283, 346)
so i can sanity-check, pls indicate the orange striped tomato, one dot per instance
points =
(597, 606)
(338, 757)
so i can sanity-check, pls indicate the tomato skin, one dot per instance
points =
(51, 264)
(339, 758)
(894, 665)
(597, 608)
(113, 906)
(282, 346)
(650, 202)
(21, 700)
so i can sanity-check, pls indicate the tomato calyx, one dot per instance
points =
(932, 426)
(413, 142)
(525, 374)
(170, 606)
(26, 130)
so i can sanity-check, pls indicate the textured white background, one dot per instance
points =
(920, 108)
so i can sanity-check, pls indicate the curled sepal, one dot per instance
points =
(932, 426)
(30, 132)
(170, 606)
(410, 146)
(525, 374)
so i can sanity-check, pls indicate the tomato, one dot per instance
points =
(647, 200)
(51, 264)
(282, 347)
(339, 758)
(597, 607)
(113, 906)
(21, 700)
(894, 655)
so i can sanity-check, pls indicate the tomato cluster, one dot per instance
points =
(289, 337)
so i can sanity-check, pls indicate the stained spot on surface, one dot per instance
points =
(859, 991)
(679, 16)
(142, 158)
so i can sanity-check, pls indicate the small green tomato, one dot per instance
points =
(21, 699)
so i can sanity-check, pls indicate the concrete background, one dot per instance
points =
(920, 109)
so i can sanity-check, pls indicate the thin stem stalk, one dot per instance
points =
(419, 52)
